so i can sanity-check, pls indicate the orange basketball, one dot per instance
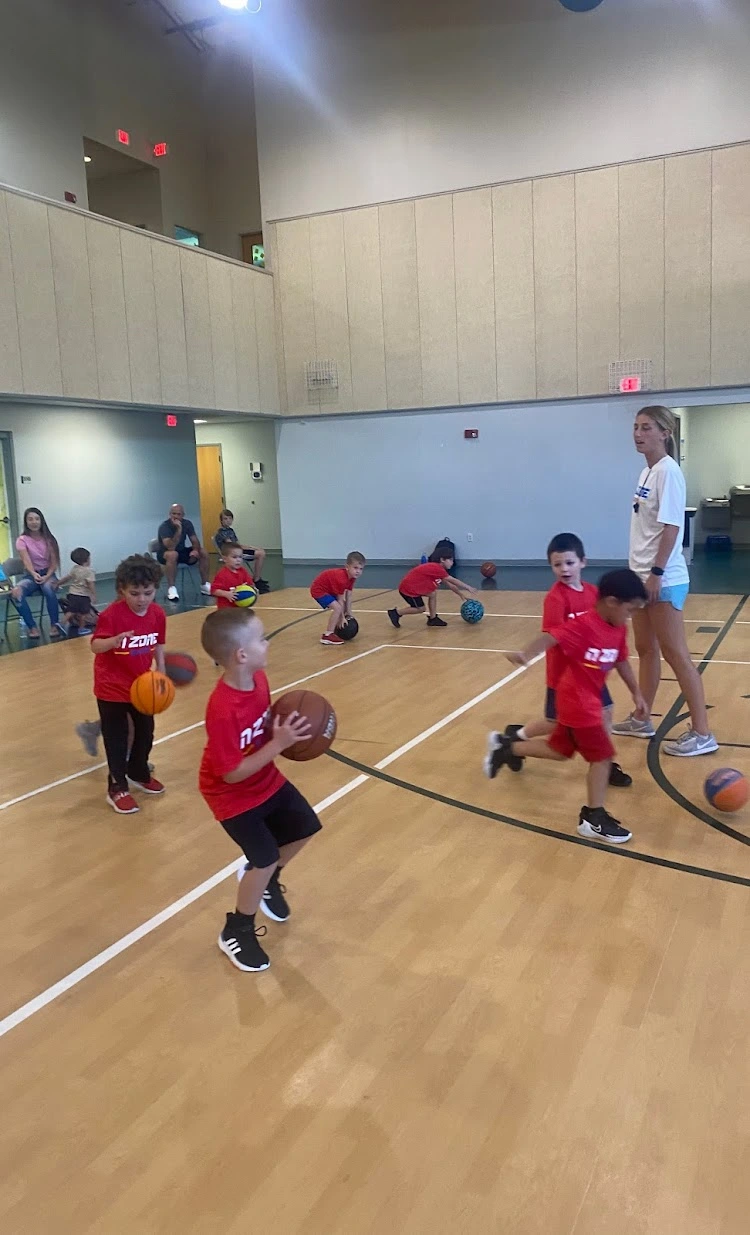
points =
(322, 720)
(151, 692)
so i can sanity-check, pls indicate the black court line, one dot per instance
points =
(523, 825)
(316, 613)
(653, 754)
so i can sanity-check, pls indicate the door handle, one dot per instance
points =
(5, 519)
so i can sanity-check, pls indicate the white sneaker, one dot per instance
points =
(633, 728)
(691, 743)
(172, 593)
(206, 589)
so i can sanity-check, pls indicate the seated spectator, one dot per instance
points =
(80, 614)
(251, 553)
(179, 545)
(40, 555)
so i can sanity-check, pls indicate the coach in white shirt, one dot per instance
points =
(656, 530)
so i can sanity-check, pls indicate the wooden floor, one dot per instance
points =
(473, 1022)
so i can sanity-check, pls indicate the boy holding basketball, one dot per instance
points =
(333, 591)
(424, 580)
(232, 573)
(255, 804)
(591, 646)
(129, 635)
(566, 600)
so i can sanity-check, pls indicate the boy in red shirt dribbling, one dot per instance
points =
(592, 645)
(333, 591)
(424, 580)
(129, 635)
(254, 803)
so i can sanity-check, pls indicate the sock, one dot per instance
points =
(521, 736)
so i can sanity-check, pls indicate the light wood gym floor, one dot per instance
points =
(473, 1022)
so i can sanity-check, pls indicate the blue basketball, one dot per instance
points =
(580, 6)
(472, 611)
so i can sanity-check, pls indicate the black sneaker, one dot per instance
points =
(596, 824)
(512, 732)
(393, 615)
(499, 755)
(273, 903)
(239, 941)
(262, 587)
(619, 779)
(436, 621)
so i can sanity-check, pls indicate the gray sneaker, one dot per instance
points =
(632, 728)
(89, 731)
(691, 743)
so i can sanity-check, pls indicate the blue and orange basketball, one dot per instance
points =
(727, 789)
(472, 611)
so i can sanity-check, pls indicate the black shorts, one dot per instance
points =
(550, 702)
(284, 818)
(183, 557)
(414, 602)
(77, 604)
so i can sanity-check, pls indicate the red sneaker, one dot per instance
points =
(152, 785)
(122, 803)
(331, 640)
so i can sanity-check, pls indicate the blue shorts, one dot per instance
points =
(326, 601)
(675, 595)
(550, 703)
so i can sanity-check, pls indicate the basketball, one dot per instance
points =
(349, 629)
(179, 667)
(726, 789)
(322, 720)
(488, 570)
(472, 611)
(245, 596)
(151, 693)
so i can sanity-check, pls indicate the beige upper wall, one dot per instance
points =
(361, 103)
(523, 291)
(93, 310)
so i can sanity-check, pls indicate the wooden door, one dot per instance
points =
(211, 490)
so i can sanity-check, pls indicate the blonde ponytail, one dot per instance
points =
(664, 418)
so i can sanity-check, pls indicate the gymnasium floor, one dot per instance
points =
(473, 1022)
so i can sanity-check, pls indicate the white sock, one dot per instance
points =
(521, 736)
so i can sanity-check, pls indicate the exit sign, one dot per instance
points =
(161, 149)
(170, 421)
(630, 385)
(123, 137)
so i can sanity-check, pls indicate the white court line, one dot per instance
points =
(72, 979)
(95, 767)
(532, 617)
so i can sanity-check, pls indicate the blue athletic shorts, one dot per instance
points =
(676, 595)
(550, 703)
(326, 601)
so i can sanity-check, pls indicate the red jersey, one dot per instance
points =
(225, 580)
(115, 671)
(590, 647)
(333, 582)
(561, 604)
(423, 579)
(238, 723)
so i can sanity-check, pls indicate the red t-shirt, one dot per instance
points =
(225, 580)
(560, 605)
(238, 723)
(333, 582)
(115, 671)
(423, 579)
(590, 647)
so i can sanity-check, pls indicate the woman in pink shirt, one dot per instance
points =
(40, 555)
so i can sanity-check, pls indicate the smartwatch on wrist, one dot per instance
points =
(658, 571)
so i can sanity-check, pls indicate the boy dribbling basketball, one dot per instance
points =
(255, 804)
(591, 645)
(424, 580)
(129, 635)
(333, 591)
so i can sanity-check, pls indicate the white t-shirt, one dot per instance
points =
(660, 497)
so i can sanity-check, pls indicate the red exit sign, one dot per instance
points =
(630, 385)
(170, 421)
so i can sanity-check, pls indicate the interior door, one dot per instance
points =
(5, 503)
(211, 490)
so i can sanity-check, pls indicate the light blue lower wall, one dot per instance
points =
(391, 484)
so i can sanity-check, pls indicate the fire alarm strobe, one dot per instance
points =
(471, 434)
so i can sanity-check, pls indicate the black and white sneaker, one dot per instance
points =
(499, 755)
(512, 732)
(239, 941)
(596, 824)
(619, 779)
(395, 619)
(436, 621)
(262, 587)
(274, 903)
